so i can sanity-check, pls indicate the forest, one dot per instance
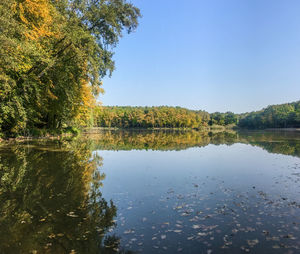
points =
(159, 117)
(274, 116)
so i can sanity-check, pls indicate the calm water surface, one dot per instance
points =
(152, 192)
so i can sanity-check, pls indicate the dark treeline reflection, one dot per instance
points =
(287, 143)
(50, 200)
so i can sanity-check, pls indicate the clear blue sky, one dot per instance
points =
(215, 55)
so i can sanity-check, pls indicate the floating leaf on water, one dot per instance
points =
(129, 231)
(51, 235)
(245, 249)
(72, 214)
(265, 232)
(252, 243)
(184, 214)
(177, 231)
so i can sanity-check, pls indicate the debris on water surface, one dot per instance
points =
(253, 213)
(252, 243)
(177, 231)
(245, 249)
(129, 231)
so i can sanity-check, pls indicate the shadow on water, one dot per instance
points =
(50, 200)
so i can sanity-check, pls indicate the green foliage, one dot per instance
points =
(160, 117)
(72, 130)
(150, 117)
(53, 56)
(223, 119)
(275, 116)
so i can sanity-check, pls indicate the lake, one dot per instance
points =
(152, 192)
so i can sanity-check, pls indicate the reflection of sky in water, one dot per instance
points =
(215, 199)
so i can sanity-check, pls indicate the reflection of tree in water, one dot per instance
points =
(50, 201)
(158, 140)
(287, 143)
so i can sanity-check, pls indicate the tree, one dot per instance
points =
(64, 49)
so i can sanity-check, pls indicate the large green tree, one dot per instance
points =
(53, 55)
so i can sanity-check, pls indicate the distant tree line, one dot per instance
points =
(276, 116)
(159, 117)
